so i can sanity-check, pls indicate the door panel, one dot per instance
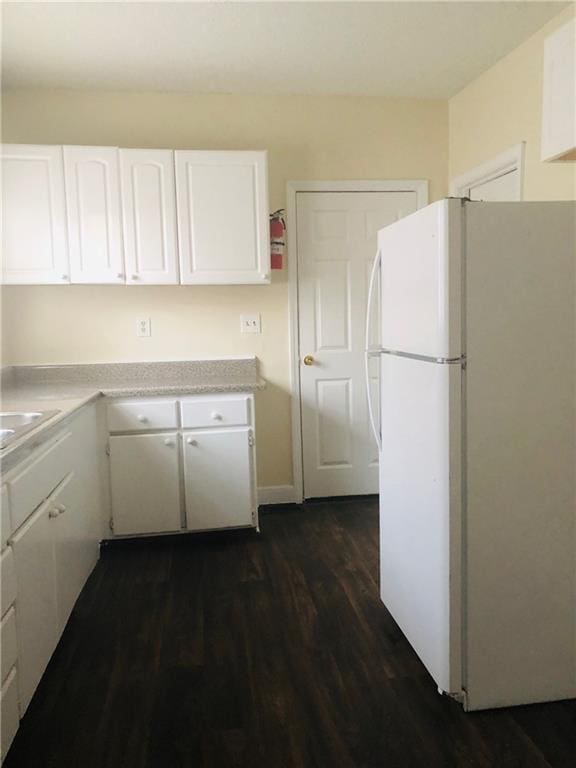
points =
(334, 411)
(94, 221)
(149, 215)
(37, 615)
(145, 483)
(223, 227)
(76, 544)
(420, 508)
(336, 246)
(503, 188)
(420, 282)
(218, 478)
(34, 242)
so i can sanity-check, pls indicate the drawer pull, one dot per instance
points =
(216, 416)
(141, 418)
(191, 441)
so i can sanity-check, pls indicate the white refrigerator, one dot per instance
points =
(476, 432)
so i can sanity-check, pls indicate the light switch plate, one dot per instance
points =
(143, 327)
(250, 324)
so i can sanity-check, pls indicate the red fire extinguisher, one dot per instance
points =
(277, 239)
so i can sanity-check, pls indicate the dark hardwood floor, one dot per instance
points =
(261, 651)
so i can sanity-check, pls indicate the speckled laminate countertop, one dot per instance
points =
(67, 388)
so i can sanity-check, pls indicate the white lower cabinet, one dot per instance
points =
(37, 608)
(218, 478)
(145, 483)
(76, 544)
(204, 467)
(58, 499)
(9, 715)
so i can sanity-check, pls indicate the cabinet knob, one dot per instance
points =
(60, 508)
(216, 416)
(191, 441)
(53, 513)
(64, 277)
(120, 275)
(135, 277)
(168, 441)
(141, 418)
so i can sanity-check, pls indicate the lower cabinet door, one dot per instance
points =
(75, 542)
(9, 718)
(36, 607)
(218, 479)
(145, 483)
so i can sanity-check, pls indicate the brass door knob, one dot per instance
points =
(308, 360)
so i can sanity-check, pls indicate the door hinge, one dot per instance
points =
(107, 449)
(250, 439)
(111, 524)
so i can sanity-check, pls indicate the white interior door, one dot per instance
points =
(500, 189)
(336, 240)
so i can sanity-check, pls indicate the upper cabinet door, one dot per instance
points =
(94, 215)
(559, 95)
(34, 242)
(149, 215)
(223, 225)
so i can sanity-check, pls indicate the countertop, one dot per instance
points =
(67, 388)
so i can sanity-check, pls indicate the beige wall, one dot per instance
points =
(307, 138)
(503, 107)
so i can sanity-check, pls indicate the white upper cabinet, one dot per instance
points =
(559, 95)
(34, 242)
(223, 224)
(94, 214)
(149, 215)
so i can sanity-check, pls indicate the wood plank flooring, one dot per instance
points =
(261, 651)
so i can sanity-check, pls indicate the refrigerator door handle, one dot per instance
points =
(369, 353)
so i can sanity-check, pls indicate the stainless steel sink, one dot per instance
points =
(14, 424)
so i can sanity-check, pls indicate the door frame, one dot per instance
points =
(510, 160)
(420, 187)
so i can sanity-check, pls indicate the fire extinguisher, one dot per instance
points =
(277, 239)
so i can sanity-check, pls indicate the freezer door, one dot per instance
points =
(420, 509)
(421, 282)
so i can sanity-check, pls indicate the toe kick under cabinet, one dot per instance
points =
(182, 464)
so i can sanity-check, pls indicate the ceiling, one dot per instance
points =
(397, 49)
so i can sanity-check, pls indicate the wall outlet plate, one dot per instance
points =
(143, 327)
(250, 324)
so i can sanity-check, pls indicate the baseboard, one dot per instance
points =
(276, 494)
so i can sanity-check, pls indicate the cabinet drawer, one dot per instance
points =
(37, 481)
(8, 572)
(8, 642)
(216, 413)
(9, 711)
(137, 416)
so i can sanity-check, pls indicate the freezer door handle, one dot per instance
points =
(369, 353)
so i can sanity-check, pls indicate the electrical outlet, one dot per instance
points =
(143, 327)
(250, 324)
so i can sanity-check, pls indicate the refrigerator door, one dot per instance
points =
(421, 282)
(420, 509)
